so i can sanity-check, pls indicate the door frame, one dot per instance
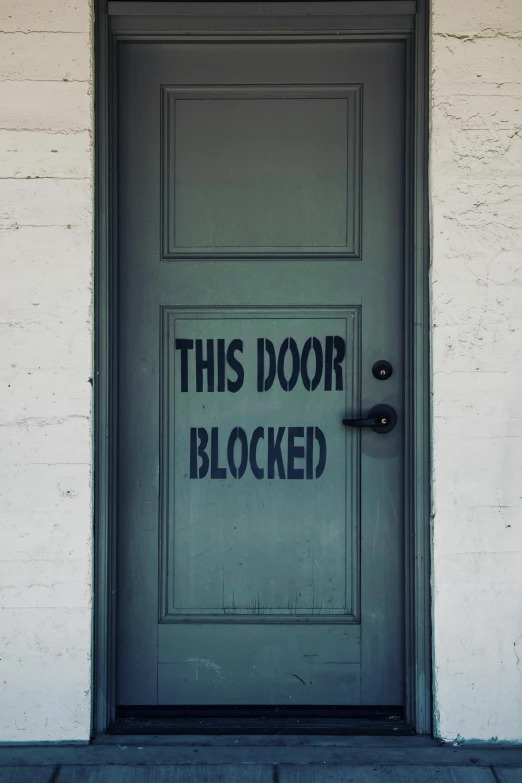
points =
(404, 20)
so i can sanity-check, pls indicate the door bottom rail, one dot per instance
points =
(241, 719)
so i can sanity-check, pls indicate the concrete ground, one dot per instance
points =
(247, 759)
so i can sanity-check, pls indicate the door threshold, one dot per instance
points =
(382, 721)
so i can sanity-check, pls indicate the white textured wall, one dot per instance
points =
(476, 205)
(45, 365)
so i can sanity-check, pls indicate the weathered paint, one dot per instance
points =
(46, 197)
(476, 295)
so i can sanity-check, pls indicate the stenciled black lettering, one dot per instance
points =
(198, 450)
(237, 434)
(334, 364)
(309, 452)
(312, 342)
(257, 435)
(264, 384)
(319, 436)
(295, 452)
(215, 471)
(184, 346)
(288, 345)
(205, 365)
(235, 364)
(242, 451)
(340, 348)
(220, 365)
(328, 363)
(275, 454)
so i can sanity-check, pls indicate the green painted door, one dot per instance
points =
(260, 277)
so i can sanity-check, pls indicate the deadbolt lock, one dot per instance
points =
(382, 370)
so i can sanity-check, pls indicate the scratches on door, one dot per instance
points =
(205, 663)
(297, 677)
(204, 552)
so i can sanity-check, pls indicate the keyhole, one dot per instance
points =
(382, 370)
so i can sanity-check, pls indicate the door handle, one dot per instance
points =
(381, 419)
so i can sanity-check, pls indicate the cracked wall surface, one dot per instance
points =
(476, 295)
(46, 204)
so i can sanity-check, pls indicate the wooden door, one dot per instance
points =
(260, 273)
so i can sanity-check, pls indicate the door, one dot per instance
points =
(260, 278)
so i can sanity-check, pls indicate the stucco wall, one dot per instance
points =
(476, 206)
(45, 366)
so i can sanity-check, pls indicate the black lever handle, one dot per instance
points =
(381, 419)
